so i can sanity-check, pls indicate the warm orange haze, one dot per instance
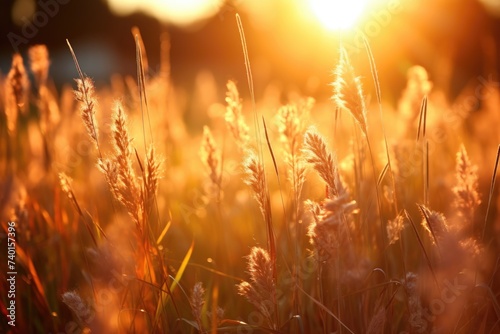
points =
(332, 170)
(334, 15)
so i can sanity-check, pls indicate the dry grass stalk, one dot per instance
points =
(328, 231)
(335, 209)
(291, 122)
(291, 126)
(466, 195)
(65, 182)
(17, 79)
(210, 156)
(416, 316)
(16, 92)
(348, 91)
(152, 174)
(256, 179)
(261, 290)
(314, 209)
(110, 170)
(49, 110)
(434, 223)
(47, 104)
(324, 239)
(129, 191)
(39, 60)
(197, 301)
(234, 117)
(394, 228)
(323, 161)
(85, 95)
(83, 311)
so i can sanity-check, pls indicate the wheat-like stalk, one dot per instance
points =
(197, 301)
(348, 91)
(328, 231)
(65, 182)
(110, 170)
(261, 290)
(415, 309)
(256, 179)
(325, 240)
(234, 117)
(153, 173)
(323, 161)
(85, 95)
(210, 156)
(434, 223)
(466, 195)
(129, 190)
(291, 126)
(394, 228)
(16, 92)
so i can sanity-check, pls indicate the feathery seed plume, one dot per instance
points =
(210, 156)
(348, 91)
(261, 290)
(78, 306)
(323, 161)
(234, 117)
(85, 95)
(466, 195)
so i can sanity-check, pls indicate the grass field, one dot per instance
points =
(122, 213)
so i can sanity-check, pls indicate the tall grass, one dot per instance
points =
(131, 218)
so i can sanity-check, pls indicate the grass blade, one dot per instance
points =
(492, 188)
(422, 118)
(422, 247)
(165, 296)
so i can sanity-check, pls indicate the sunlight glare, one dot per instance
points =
(338, 15)
(182, 13)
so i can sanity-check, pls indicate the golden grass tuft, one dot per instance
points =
(153, 173)
(210, 156)
(256, 179)
(323, 161)
(16, 92)
(197, 300)
(434, 223)
(394, 228)
(261, 290)
(125, 181)
(348, 91)
(85, 95)
(234, 117)
(291, 121)
(467, 198)
(415, 317)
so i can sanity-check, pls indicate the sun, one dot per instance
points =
(338, 14)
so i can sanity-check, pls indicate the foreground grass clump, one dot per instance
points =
(316, 216)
